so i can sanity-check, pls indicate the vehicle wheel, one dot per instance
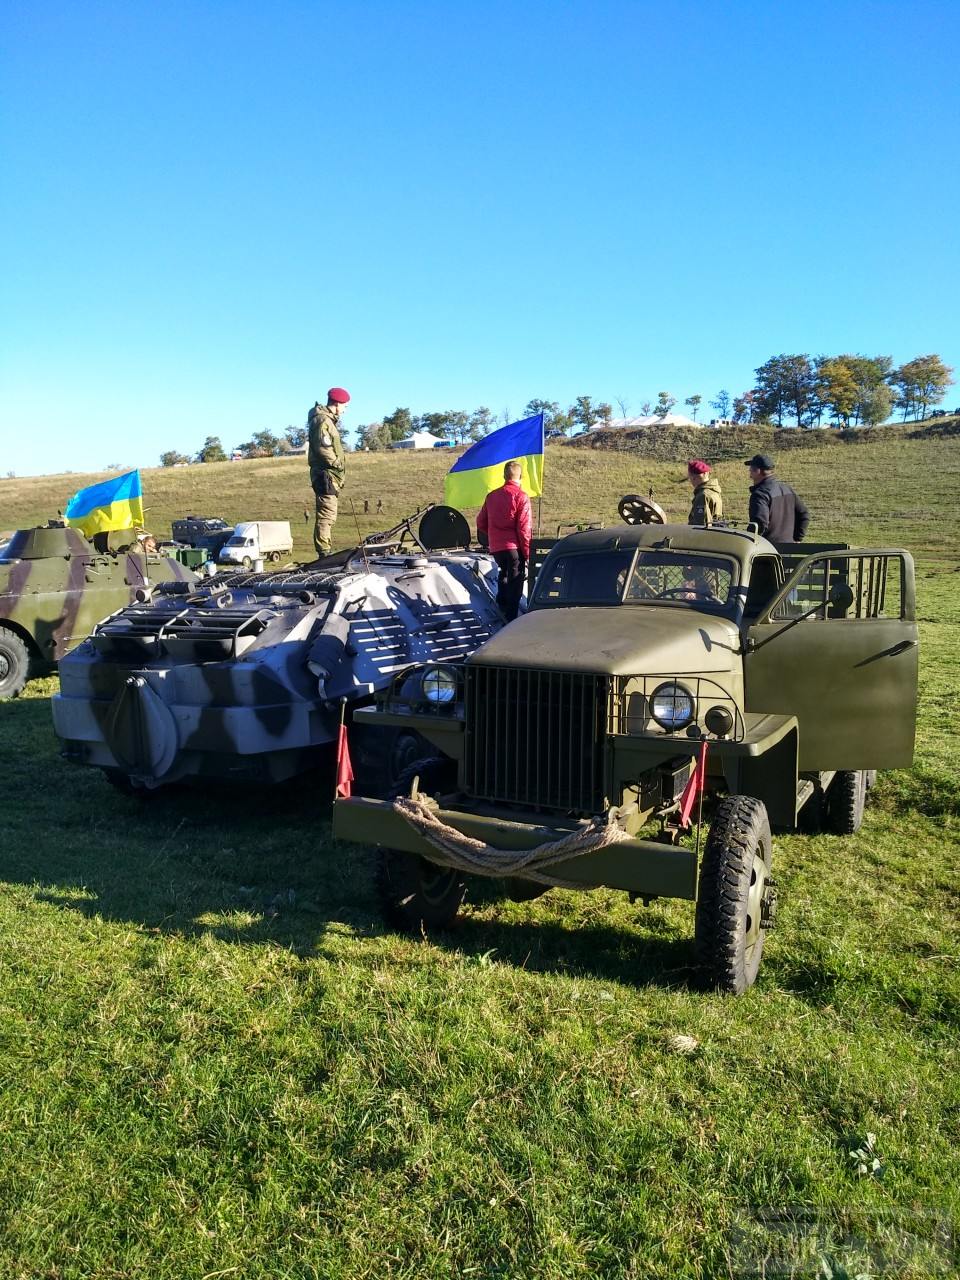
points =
(845, 802)
(14, 664)
(274, 556)
(247, 562)
(382, 757)
(736, 897)
(415, 894)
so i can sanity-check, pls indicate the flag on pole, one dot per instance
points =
(479, 470)
(697, 783)
(344, 765)
(111, 504)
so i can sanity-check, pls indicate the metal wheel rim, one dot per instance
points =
(758, 884)
(4, 666)
(434, 882)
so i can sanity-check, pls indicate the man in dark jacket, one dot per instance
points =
(775, 509)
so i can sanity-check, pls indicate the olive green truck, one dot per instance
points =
(662, 678)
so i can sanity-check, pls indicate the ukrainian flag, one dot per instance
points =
(111, 504)
(480, 469)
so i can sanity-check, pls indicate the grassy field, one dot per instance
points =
(215, 1061)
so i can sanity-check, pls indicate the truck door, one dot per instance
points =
(837, 647)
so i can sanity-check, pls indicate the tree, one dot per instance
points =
(582, 414)
(838, 388)
(264, 444)
(212, 450)
(645, 409)
(623, 405)
(297, 436)
(721, 404)
(481, 423)
(604, 412)
(665, 402)
(923, 381)
(173, 459)
(744, 407)
(554, 419)
(693, 404)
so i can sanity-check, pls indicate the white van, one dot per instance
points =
(257, 540)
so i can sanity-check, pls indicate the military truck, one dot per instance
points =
(245, 676)
(207, 533)
(55, 587)
(663, 676)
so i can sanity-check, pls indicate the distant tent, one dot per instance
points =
(419, 440)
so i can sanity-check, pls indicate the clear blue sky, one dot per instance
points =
(212, 212)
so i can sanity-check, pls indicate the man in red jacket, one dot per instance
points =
(505, 524)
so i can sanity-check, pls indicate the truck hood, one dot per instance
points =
(624, 640)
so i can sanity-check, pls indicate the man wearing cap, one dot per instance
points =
(778, 512)
(505, 524)
(328, 466)
(707, 505)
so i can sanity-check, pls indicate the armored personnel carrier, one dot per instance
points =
(665, 681)
(55, 586)
(246, 675)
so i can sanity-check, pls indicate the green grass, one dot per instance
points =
(214, 1060)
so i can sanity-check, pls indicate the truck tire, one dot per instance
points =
(14, 664)
(735, 895)
(274, 556)
(845, 802)
(246, 562)
(416, 896)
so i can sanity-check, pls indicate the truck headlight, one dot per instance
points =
(672, 706)
(439, 684)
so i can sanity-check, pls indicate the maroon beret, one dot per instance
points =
(338, 395)
(698, 467)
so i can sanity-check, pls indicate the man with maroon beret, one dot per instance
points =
(328, 464)
(707, 505)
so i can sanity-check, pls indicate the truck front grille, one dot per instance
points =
(536, 737)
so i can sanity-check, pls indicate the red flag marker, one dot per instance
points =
(696, 784)
(344, 765)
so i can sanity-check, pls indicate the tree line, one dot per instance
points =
(798, 390)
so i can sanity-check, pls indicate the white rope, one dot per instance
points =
(479, 858)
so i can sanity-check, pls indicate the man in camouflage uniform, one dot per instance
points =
(328, 467)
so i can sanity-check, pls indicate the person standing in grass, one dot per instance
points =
(328, 464)
(505, 524)
(707, 505)
(778, 512)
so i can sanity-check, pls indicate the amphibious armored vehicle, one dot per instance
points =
(54, 587)
(661, 675)
(245, 676)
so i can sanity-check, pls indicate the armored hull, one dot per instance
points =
(246, 676)
(55, 587)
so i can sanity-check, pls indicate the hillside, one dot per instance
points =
(891, 485)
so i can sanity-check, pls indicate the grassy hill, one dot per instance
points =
(892, 484)
(215, 1061)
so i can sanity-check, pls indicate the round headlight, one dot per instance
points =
(439, 684)
(672, 706)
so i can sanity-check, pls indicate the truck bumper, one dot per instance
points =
(644, 867)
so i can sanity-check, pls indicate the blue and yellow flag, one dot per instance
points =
(480, 469)
(111, 504)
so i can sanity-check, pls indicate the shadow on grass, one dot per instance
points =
(251, 866)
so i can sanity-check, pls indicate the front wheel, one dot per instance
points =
(14, 664)
(736, 898)
(417, 896)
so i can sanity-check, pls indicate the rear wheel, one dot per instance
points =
(845, 802)
(14, 664)
(274, 556)
(736, 897)
(246, 562)
(417, 896)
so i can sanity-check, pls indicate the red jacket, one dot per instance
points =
(506, 520)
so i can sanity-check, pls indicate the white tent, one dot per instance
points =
(651, 420)
(419, 440)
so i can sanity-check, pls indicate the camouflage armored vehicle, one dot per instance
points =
(662, 675)
(54, 587)
(243, 675)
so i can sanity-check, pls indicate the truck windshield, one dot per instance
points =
(629, 577)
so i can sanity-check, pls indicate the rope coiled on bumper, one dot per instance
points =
(476, 857)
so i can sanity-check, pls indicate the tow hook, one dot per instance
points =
(768, 905)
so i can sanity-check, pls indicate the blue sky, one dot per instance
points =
(212, 212)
